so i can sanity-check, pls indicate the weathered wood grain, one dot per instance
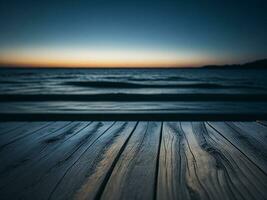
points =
(172, 164)
(255, 131)
(202, 170)
(135, 173)
(199, 163)
(263, 122)
(26, 174)
(6, 127)
(30, 147)
(246, 143)
(133, 160)
(17, 134)
(246, 179)
(92, 167)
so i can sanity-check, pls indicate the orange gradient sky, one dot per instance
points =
(140, 33)
(83, 57)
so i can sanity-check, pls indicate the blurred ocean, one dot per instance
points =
(133, 90)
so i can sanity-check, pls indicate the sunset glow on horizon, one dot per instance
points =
(82, 57)
(159, 33)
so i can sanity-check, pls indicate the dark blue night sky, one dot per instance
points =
(102, 32)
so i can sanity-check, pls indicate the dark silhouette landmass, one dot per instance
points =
(258, 64)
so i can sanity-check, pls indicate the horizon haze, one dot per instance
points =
(102, 33)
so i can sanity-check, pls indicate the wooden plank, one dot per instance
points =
(134, 176)
(242, 175)
(172, 164)
(264, 123)
(6, 127)
(256, 132)
(92, 166)
(185, 169)
(130, 160)
(198, 163)
(22, 176)
(29, 147)
(201, 167)
(17, 134)
(244, 142)
(96, 181)
(44, 178)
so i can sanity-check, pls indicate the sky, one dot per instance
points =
(131, 33)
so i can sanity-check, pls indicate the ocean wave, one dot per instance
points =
(125, 85)
(8, 82)
(170, 78)
(122, 97)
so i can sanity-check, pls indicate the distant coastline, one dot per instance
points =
(258, 64)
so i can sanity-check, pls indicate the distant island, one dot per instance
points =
(258, 64)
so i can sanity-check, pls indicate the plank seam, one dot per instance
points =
(110, 170)
(157, 164)
(26, 135)
(13, 129)
(195, 164)
(50, 196)
(237, 148)
(262, 123)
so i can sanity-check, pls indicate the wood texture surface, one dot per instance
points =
(133, 160)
